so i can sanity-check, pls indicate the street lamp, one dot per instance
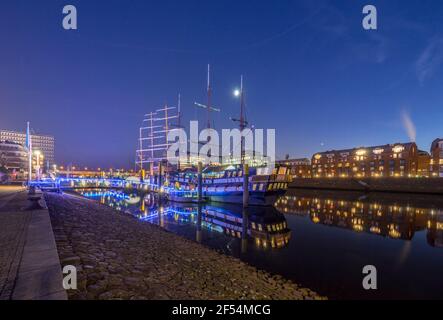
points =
(37, 154)
(239, 93)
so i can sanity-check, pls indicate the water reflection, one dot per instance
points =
(362, 213)
(319, 239)
(391, 216)
(266, 228)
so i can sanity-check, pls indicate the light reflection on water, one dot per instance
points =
(392, 219)
(265, 228)
(319, 239)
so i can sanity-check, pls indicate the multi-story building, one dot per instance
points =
(423, 166)
(43, 143)
(437, 158)
(13, 157)
(298, 168)
(391, 160)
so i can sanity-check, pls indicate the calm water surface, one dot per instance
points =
(319, 239)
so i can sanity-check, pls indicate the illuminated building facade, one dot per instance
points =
(392, 160)
(43, 143)
(298, 168)
(437, 158)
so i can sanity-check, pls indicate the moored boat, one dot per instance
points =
(225, 184)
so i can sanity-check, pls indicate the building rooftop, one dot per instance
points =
(407, 145)
(24, 133)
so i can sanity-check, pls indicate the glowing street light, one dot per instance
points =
(237, 93)
(38, 155)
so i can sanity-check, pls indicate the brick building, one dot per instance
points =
(298, 168)
(437, 158)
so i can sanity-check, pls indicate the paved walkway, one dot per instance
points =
(29, 264)
(13, 226)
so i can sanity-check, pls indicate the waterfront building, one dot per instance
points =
(298, 168)
(43, 143)
(391, 160)
(437, 158)
(13, 157)
(423, 166)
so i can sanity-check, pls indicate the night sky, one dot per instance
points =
(311, 71)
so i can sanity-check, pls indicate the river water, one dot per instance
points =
(319, 239)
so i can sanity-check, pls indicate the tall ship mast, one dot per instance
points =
(242, 121)
(225, 182)
(209, 108)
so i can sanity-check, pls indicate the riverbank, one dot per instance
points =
(120, 257)
(396, 185)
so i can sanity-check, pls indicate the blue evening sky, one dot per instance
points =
(311, 71)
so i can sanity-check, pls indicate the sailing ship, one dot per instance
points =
(220, 183)
(225, 184)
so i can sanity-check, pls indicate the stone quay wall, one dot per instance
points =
(119, 257)
(403, 185)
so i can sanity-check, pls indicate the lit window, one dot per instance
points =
(398, 149)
